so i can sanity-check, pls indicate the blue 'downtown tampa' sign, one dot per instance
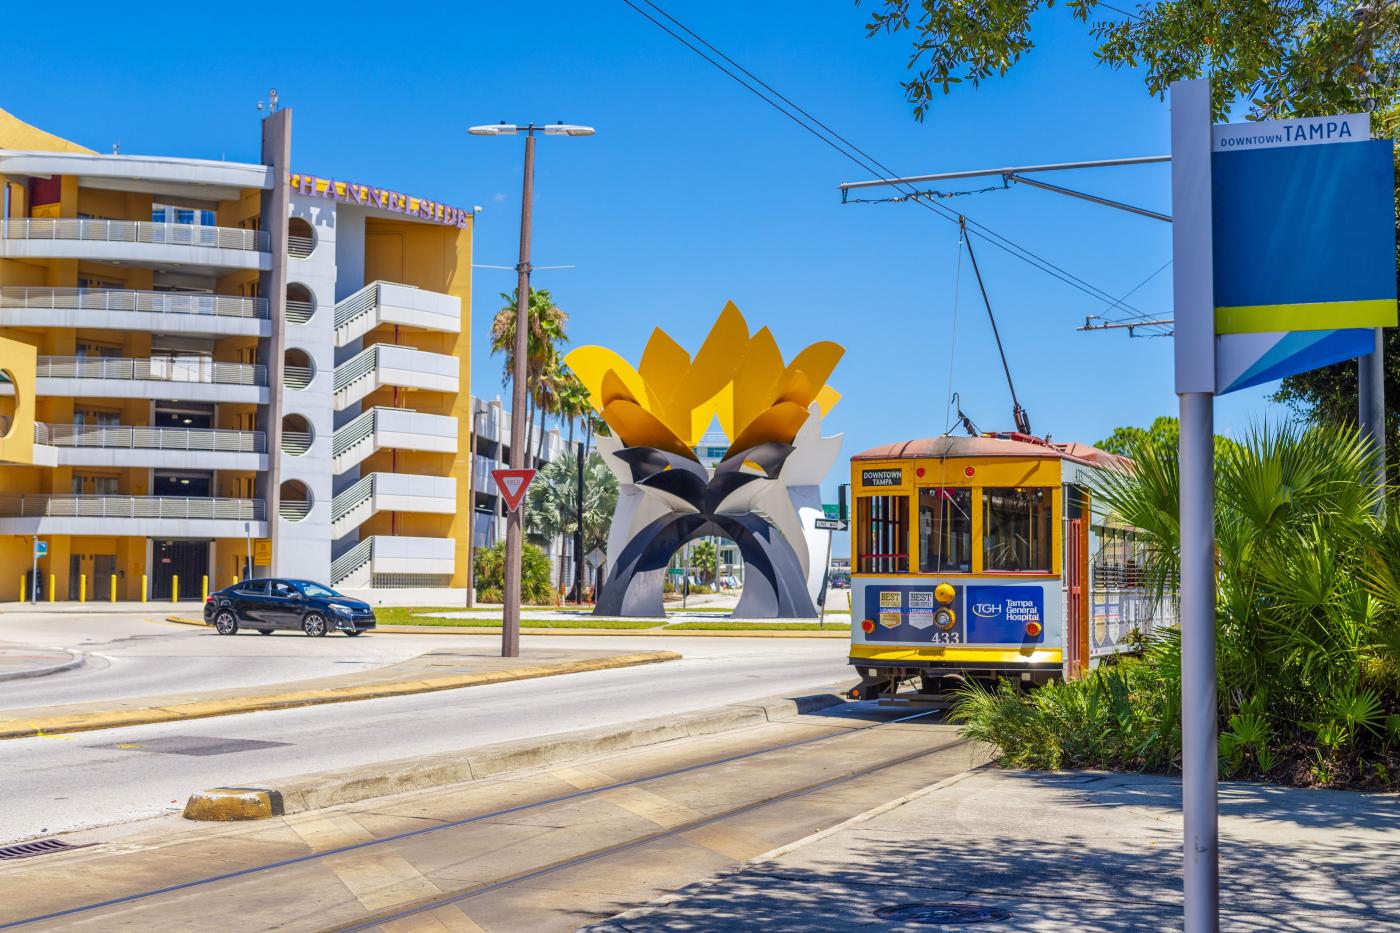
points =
(1303, 245)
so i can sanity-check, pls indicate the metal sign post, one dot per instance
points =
(1194, 310)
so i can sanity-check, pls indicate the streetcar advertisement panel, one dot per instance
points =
(954, 613)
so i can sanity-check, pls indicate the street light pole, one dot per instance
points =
(515, 519)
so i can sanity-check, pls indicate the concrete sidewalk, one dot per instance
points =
(19, 661)
(443, 669)
(1076, 851)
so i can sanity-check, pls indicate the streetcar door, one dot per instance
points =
(1076, 582)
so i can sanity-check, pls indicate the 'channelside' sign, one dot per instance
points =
(350, 192)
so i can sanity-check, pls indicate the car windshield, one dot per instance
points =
(316, 589)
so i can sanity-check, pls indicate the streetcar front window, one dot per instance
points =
(945, 530)
(1017, 533)
(882, 541)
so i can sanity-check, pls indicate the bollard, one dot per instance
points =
(143, 588)
(114, 587)
(204, 587)
(23, 585)
(175, 588)
(53, 578)
(82, 587)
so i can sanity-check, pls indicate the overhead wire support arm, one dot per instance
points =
(1106, 202)
(1018, 414)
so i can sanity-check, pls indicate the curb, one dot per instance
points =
(75, 659)
(202, 709)
(658, 632)
(330, 788)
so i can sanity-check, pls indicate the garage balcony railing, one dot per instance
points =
(135, 231)
(145, 507)
(120, 299)
(168, 369)
(144, 438)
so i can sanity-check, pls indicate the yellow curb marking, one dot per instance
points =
(378, 880)
(27, 728)
(734, 844)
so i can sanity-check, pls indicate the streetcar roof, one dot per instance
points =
(991, 445)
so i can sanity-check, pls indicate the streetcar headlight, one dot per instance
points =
(945, 618)
(867, 626)
(1033, 629)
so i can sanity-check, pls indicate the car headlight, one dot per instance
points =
(343, 610)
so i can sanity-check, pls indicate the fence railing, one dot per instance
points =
(120, 436)
(135, 231)
(351, 497)
(296, 443)
(358, 366)
(121, 299)
(145, 507)
(297, 377)
(352, 560)
(299, 312)
(352, 306)
(299, 247)
(166, 369)
(293, 510)
(353, 431)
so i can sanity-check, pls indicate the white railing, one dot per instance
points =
(299, 247)
(153, 507)
(353, 431)
(299, 312)
(136, 231)
(297, 377)
(357, 367)
(121, 299)
(352, 560)
(165, 369)
(293, 510)
(352, 497)
(119, 436)
(353, 306)
(296, 443)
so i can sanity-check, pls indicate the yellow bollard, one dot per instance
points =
(114, 587)
(204, 587)
(143, 588)
(82, 587)
(53, 579)
(174, 588)
(23, 586)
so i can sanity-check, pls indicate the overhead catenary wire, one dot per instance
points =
(851, 151)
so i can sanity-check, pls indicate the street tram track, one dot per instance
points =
(561, 865)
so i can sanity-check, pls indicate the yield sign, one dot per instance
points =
(512, 484)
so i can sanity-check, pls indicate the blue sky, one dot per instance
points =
(693, 192)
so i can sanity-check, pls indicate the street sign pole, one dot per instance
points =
(1194, 311)
(34, 570)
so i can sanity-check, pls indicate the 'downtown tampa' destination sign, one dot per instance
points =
(382, 198)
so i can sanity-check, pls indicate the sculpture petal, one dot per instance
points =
(663, 368)
(591, 363)
(756, 380)
(818, 361)
(640, 428)
(717, 359)
(779, 423)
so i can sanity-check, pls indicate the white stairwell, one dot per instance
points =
(391, 303)
(387, 364)
(391, 492)
(397, 428)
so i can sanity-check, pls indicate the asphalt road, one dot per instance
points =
(83, 780)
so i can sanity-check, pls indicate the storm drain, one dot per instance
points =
(942, 913)
(37, 847)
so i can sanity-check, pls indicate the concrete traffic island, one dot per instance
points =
(443, 669)
(1072, 851)
(21, 661)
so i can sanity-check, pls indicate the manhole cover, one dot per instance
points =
(941, 913)
(37, 847)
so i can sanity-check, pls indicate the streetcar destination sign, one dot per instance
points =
(882, 477)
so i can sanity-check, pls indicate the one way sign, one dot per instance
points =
(512, 484)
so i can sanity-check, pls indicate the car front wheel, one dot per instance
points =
(314, 624)
(225, 622)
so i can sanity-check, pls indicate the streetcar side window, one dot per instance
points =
(945, 530)
(882, 543)
(1017, 531)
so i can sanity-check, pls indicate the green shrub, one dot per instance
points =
(489, 575)
(1308, 627)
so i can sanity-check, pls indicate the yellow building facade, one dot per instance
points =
(212, 370)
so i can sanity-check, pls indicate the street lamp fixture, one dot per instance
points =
(515, 529)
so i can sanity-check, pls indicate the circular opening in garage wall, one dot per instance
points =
(301, 238)
(9, 403)
(297, 368)
(301, 304)
(297, 435)
(294, 500)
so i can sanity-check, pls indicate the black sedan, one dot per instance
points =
(271, 604)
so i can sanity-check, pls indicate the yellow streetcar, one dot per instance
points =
(983, 557)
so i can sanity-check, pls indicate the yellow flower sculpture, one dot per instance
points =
(669, 400)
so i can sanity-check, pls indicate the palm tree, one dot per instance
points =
(704, 560)
(547, 333)
(552, 502)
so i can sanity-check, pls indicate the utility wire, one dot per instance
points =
(859, 156)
